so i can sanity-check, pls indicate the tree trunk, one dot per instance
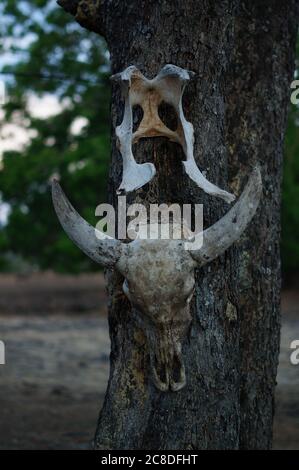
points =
(242, 54)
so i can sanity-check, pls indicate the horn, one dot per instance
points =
(99, 247)
(221, 235)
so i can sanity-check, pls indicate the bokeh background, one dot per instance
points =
(54, 121)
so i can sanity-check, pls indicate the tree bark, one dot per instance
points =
(257, 98)
(243, 56)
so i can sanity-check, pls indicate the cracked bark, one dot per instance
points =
(242, 54)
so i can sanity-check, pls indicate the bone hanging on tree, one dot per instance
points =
(231, 348)
(168, 86)
(163, 314)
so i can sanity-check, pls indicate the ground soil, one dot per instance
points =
(57, 362)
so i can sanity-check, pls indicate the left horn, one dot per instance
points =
(99, 247)
(221, 235)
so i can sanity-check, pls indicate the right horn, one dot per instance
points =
(221, 235)
(99, 247)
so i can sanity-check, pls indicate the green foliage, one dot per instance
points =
(52, 54)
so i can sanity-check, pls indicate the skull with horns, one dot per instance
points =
(163, 312)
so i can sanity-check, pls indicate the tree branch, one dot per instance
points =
(88, 13)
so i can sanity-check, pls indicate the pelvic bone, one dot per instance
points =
(168, 86)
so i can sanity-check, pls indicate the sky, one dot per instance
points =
(15, 137)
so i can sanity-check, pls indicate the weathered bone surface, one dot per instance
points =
(159, 275)
(99, 247)
(159, 281)
(168, 86)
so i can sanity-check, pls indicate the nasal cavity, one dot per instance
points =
(137, 116)
(168, 115)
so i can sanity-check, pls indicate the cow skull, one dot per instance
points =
(159, 274)
(168, 87)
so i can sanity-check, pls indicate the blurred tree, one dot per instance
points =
(52, 54)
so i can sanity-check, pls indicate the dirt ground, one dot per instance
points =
(57, 362)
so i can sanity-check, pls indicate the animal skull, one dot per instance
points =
(162, 311)
(168, 86)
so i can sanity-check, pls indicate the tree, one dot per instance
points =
(290, 194)
(243, 57)
(52, 55)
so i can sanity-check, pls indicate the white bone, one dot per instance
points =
(99, 247)
(134, 175)
(159, 274)
(167, 86)
(220, 236)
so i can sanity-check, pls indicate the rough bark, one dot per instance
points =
(242, 54)
(257, 94)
